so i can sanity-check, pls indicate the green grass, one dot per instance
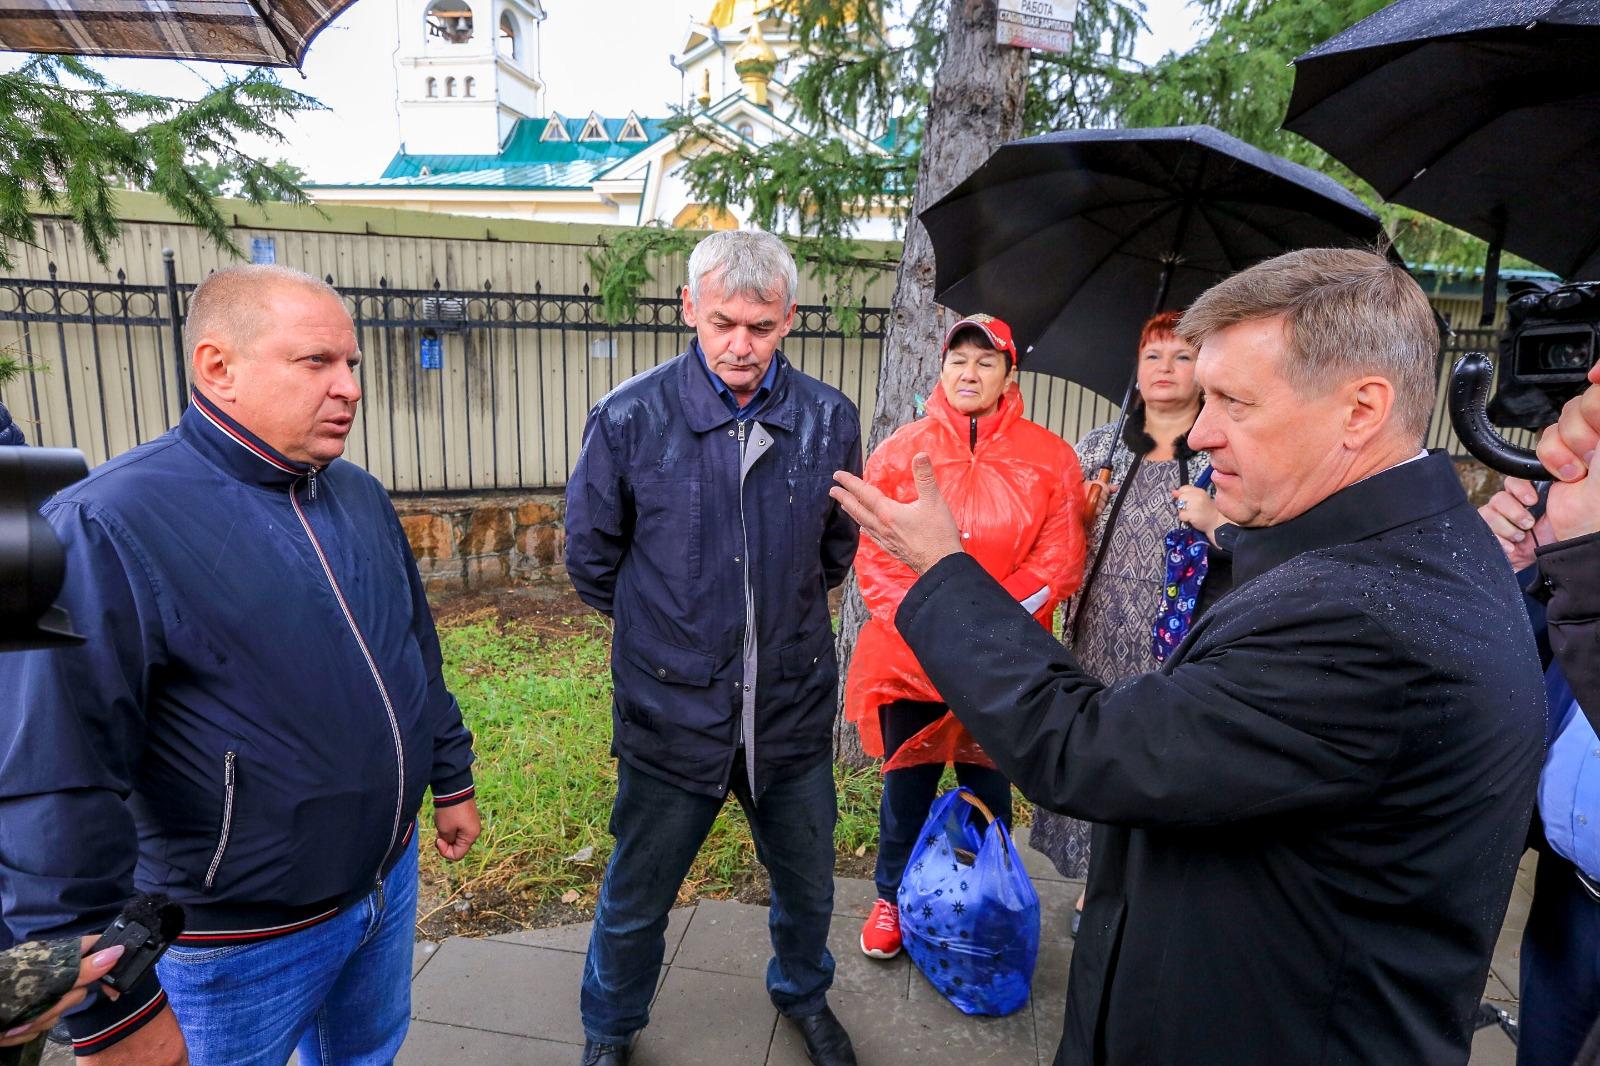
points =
(539, 706)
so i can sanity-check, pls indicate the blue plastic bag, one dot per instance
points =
(969, 915)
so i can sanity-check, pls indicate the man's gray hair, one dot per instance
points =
(749, 263)
(230, 301)
(1346, 312)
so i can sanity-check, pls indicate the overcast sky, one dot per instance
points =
(350, 69)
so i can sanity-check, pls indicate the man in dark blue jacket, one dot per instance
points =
(698, 519)
(10, 432)
(254, 718)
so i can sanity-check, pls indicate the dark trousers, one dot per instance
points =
(1560, 966)
(659, 828)
(908, 793)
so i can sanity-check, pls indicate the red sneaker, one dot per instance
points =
(880, 937)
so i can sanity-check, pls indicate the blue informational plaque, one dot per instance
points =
(263, 250)
(432, 353)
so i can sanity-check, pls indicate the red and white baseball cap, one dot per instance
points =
(995, 329)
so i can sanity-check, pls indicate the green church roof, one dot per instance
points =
(525, 161)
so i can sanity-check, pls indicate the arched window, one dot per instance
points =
(467, 86)
(433, 86)
(747, 130)
(449, 20)
(509, 41)
(449, 86)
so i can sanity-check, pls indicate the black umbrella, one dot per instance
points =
(1481, 113)
(1075, 238)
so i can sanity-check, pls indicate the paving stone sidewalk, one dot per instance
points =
(512, 1000)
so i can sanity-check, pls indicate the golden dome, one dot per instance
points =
(755, 53)
(726, 13)
(754, 61)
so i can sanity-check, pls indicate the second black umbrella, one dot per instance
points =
(1075, 238)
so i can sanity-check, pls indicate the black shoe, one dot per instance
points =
(827, 1044)
(605, 1054)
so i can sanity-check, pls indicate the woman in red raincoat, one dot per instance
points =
(1017, 492)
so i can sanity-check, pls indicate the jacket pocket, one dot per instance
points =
(665, 661)
(229, 784)
(806, 655)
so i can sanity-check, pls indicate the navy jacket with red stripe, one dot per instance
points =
(253, 720)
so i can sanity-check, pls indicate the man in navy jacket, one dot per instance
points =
(254, 718)
(698, 519)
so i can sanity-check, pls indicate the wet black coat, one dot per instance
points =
(1570, 570)
(654, 540)
(1312, 813)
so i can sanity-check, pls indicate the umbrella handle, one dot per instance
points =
(1469, 390)
(1095, 494)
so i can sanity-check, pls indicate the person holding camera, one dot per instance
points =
(254, 718)
(1557, 558)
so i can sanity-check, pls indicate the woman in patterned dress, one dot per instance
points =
(1108, 622)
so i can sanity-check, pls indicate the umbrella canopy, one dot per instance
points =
(1481, 113)
(273, 33)
(1074, 237)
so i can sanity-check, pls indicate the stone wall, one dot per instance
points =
(466, 543)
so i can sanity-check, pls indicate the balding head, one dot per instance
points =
(232, 304)
(275, 350)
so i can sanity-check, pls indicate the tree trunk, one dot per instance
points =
(976, 106)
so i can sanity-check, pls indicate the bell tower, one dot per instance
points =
(466, 71)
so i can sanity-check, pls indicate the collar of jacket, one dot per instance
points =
(235, 449)
(705, 409)
(1398, 496)
(1005, 415)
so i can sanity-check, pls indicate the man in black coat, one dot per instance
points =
(1312, 814)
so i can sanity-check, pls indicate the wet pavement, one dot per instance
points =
(512, 1000)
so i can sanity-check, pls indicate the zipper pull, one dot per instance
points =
(741, 436)
(378, 889)
(311, 483)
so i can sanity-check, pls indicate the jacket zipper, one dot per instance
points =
(227, 818)
(377, 679)
(747, 743)
(974, 446)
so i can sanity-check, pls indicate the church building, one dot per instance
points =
(476, 138)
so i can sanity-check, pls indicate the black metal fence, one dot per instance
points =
(465, 390)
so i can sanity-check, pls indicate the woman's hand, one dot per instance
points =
(90, 970)
(1196, 507)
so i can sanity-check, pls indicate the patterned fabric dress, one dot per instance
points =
(1113, 637)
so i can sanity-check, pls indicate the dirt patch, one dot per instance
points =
(549, 609)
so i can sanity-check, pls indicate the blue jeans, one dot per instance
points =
(1560, 966)
(659, 828)
(339, 992)
(910, 792)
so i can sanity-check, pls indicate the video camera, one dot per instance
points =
(32, 565)
(1551, 341)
